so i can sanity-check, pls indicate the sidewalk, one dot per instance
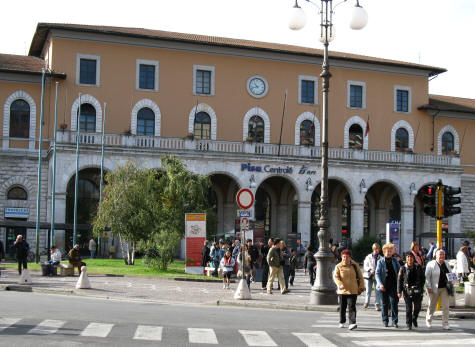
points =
(162, 290)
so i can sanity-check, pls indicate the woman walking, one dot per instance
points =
(227, 265)
(309, 264)
(369, 275)
(349, 281)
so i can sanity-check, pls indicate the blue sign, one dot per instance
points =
(244, 213)
(14, 212)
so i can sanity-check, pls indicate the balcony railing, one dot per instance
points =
(263, 149)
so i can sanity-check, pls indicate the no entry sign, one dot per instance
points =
(245, 198)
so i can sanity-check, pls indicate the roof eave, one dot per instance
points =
(35, 73)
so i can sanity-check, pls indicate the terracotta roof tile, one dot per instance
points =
(21, 63)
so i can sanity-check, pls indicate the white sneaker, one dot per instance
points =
(341, 325)
(352, 327)
(428, 324)
(446, 327)
(224, 286)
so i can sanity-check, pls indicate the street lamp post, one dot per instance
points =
(323, 292)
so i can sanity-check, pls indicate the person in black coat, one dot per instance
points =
(2, 253)
(309, 264)
(22, 248)
(265, 265)
(254, 254)
(205, 258)
(410, 284)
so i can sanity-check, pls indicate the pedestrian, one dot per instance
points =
(275, 261)
(418, 255)
(462, 267)
(349, 281)
(237, 247)
(369, 267)
(214, 258)
(437, 287)
(469, 255)
(205, 256)
(265, 265)
(227, 265)
(309, 264)
(386, 272)
(286, 263)
(92, 247)
(254, 254)
(74, 257)
(293, 265)
(22, 247)
(410, 284)
(247, 265)
(430, 254)
(2, 254)
(54, 260)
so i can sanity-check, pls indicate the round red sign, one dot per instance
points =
(245, 198)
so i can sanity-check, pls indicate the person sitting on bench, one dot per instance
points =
(75, 258)
(54, 261)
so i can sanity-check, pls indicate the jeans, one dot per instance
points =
(24, 262)
(286, 269)
(389, 298)
(292, 277)
(51, 265)
(369, 282)
(413, 307)
(92, 254)
(265, 275)
(350, 301)
(311, 272)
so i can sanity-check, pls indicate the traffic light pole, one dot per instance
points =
(440, 215)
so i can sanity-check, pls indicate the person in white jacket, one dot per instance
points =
(369, 268)
(462, 269)
(436, 285)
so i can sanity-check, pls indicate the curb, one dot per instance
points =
(277, 306)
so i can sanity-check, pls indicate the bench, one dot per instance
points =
(209, 270)
(66, 269)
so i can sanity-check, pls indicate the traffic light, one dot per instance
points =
(430, 200)
(450, 200)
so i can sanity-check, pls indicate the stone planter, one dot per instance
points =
(469, 291)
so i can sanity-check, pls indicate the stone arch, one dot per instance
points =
(135, 110)
(19, 94)
(202, 108)
(256, 111)
(355, 120)
(18, 181)
(311, 117)
(86, 99)
(348, 186)
(405, 125)
(294, 184)
(448, 129)
(285, 193)
(396, 187)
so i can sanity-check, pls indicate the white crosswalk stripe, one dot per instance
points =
(97, 329)
(48, 326)
(426, 342)
(257, 338)
(379, 334)
(7, 322)
(150, 333)
(313, 340)
(197, 335)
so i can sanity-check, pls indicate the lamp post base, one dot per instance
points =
(323, 297)
(242, 291)
(324, 291)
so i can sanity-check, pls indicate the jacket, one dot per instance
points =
(309, 259)
(264, 251)
(204, 255)
(286, 256)
(2, 252)
(380, 272)
(228, 265)
(274, 257)
(405, 281)
(368, 265)
(462, 263)
(432, 274)
(293, 262)
(74, 256)
(21, 249)
(346, 275)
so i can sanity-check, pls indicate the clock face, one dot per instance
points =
(257, 86)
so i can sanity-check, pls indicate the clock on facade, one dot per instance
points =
(257, 86)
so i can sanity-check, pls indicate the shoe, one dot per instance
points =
(269, 293)
(446, 327)
(365, 305)
(285, 291)
(224, 286)
(352, 327)
(385, 324)
(428, 324)
(341, 325)
(414, 322)
(264, 288)
(377, 308)
(409, 327)
(395, 325)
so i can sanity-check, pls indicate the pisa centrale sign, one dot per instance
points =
(195, 233)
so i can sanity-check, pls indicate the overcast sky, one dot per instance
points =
(432, 32)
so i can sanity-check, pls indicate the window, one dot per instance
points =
(146, 75)
(17, 193)
(256, 129)
(87, 120)
(448, 146)
(356, 97)
(355, 138)
(20, 119)
(307, 133)
(203, 80)
(308, 93)
(402, 99)
(88, 69)
(202, 126)
(402, 140)
(146, 122)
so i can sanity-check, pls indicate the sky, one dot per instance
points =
(431, 32)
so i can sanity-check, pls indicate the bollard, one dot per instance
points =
(25, 277)
(83, 281)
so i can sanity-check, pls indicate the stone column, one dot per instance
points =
(60, 217)
(282, 221)
(229, 216)
(380, 222)
(407, 227)
(357, 218)
(304, 221)
(335, 222)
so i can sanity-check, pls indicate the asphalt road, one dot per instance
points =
(29, 319)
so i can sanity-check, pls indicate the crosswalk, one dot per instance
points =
(321, 337)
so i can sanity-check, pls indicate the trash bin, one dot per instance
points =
(44, 269)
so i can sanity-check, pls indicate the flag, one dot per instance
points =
(367, 128)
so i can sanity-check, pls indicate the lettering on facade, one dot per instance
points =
(304, 170)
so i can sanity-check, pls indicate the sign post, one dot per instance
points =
(195, 233)
(245, 200)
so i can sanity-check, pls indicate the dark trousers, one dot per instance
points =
(20, 262)
(265, 275)
(413, 307)
(350, 302)
(51, 265)
(311, 272)
(79, 264)
(389, 298)
(292, 277)
(286, 269)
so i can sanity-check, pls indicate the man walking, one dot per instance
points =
(387, 269)
(265, 266)
(22, 247)
(254, 254)
(92, 248)
(275, 261)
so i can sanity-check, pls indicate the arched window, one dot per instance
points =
(402, 140)
(202, 126)
(307, 133)
(20, 119)
(448, 146)
(355, 137)
(17, 193)
(87, 120)
(256, 129)
(146, 122)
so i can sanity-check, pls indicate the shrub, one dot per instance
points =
(363, 247)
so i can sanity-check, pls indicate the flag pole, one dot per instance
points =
(76, 180)
(102, 166)
(53, 202)
(282, 122)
